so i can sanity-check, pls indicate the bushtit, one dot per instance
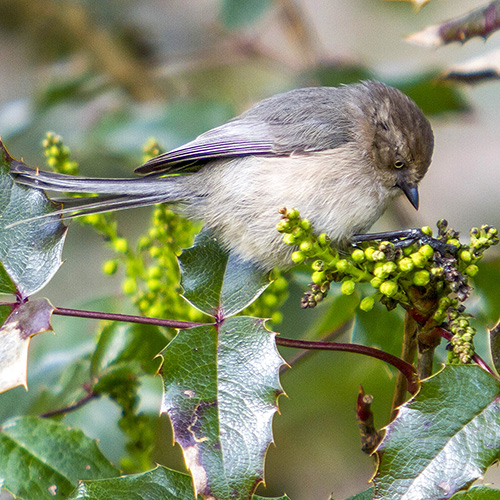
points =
(338, 155)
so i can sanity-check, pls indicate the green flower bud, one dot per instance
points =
(426, 230)
(110, 267)
(406, 264)
(129, 286)
(143, 243)
(120, 245)
(282, 226)
(376, 282)
(155, 252)
(378, 256)
(155, 311)
(465, 256)
(155, 272)
(453, 241)
(280, 284)
(306, 224)
(289, 239)
(293, 214)
(421, 278)
(389, 288)
(298, 257)
(439, 316)
(324, 239)
(426, 251)
(306, 246)
(317, 277)
(390, 267)
(379, 270)
(367, 304)
(154, 285)
(343, 265)
(369, 253)
(347, 287)
(270, 300)
(298, 232)
(358, 255)
(471, 270)
(277, 317)
(418, 259)
(318, 265)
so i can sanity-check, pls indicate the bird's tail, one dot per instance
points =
(114, 194)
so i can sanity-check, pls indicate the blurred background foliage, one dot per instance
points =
(109, 75)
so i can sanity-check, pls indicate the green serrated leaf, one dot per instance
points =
(42, 460)
(158, 484)
(23, 322)
(216, 282)
(220, 390)
(239, 13)
(478, 493)
(31, 251)
(6, 284)
(443, 439)
(364, 495)
(123, 344)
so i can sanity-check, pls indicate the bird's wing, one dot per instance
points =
(236, 138)
(301, 120)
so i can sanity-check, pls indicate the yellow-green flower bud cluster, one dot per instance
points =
(269, 303)
(400, 274)
(461, 344)
(57, 155)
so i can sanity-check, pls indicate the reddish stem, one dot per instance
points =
(405, 368)
(78, 313)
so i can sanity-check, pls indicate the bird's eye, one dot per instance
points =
(399, 164)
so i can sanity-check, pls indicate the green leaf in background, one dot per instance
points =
(124, 344)
(220, 390)
(495, 346)
(335, 74)
(30, 252)
(444, 438)
(240, 13)
(24, 321)
(217, 283)
(42, 460)
(432, 96)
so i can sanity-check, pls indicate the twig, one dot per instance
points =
(408, 352)
(404, 367)
(129, 318)
(77, 404)
(308, 352)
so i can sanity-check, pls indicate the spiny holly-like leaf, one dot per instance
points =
(495, 346)
(31, 251)
(477, 493)
(479, 69)
(443, 439)
(479, 22)
(364, 495)
(23, 322)
(220, 390)
(43, 460)
(158, 484)
(217, 283)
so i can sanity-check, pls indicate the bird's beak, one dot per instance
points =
(411, 193)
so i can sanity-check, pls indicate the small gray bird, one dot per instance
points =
(338, 155)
